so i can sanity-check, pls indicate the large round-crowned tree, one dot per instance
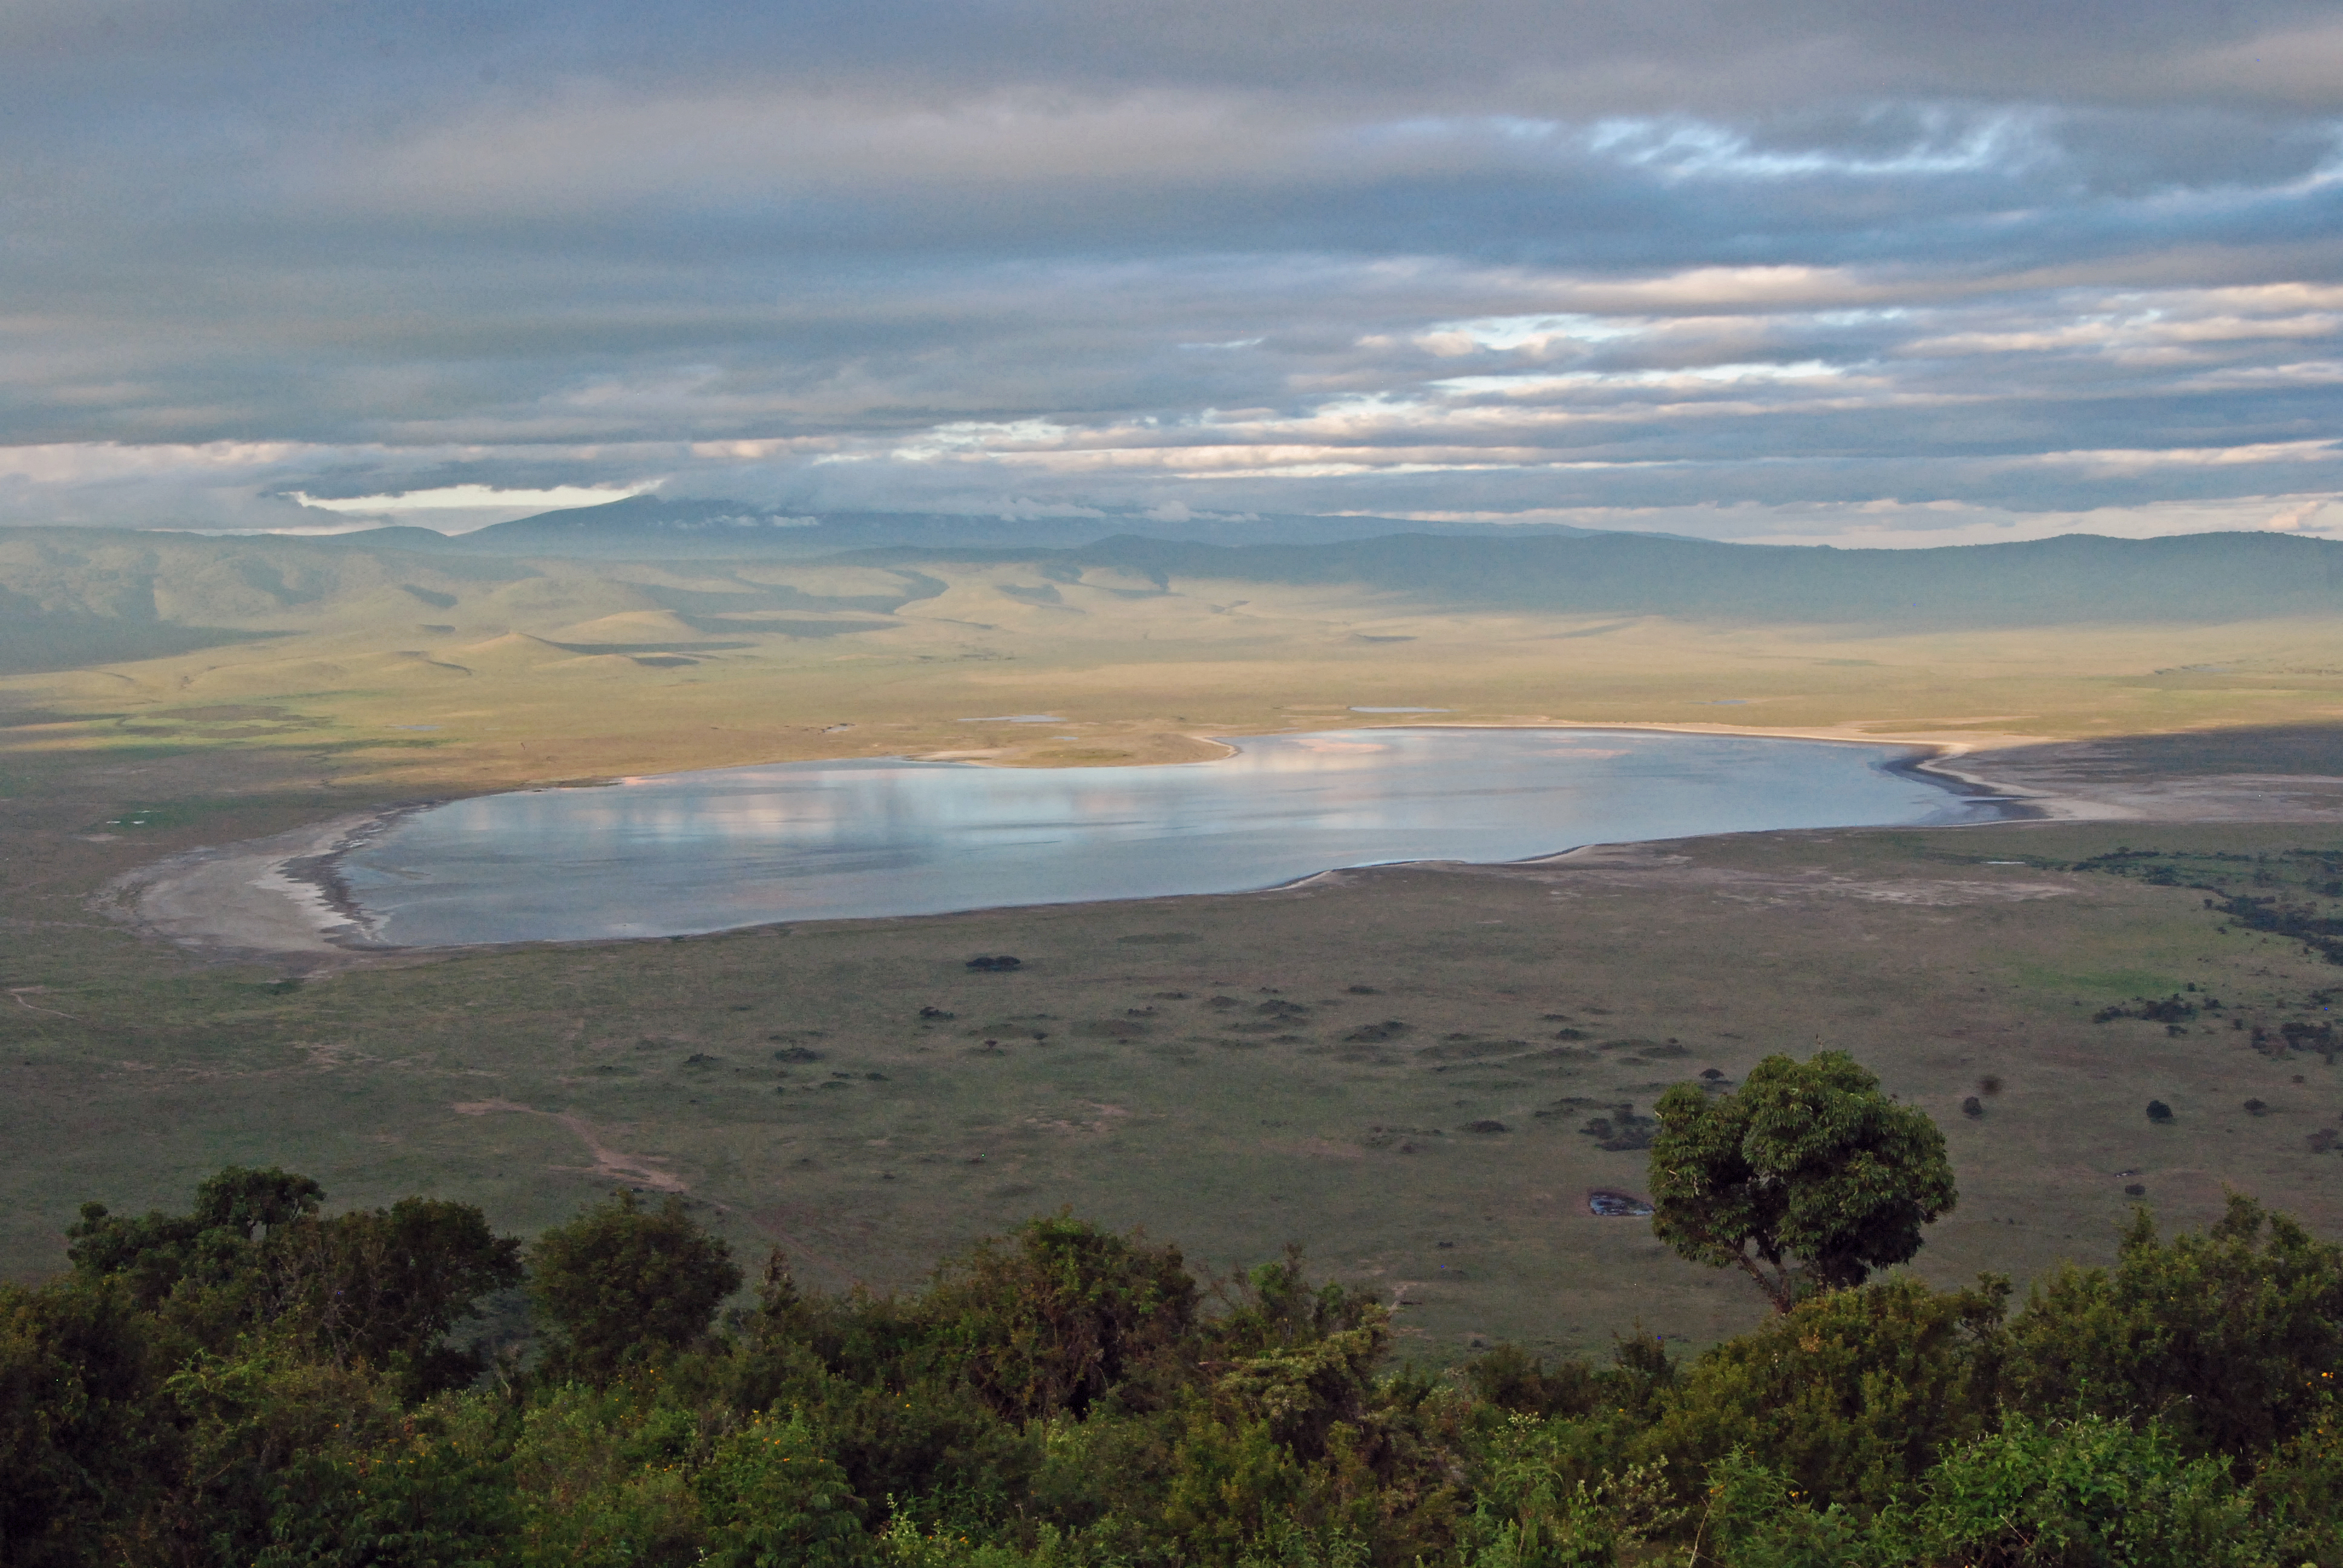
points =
(1805, 1175)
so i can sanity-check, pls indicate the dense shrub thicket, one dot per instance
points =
(256, 1382)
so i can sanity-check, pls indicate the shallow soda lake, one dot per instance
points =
(842, 841)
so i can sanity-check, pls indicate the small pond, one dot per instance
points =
(706, 852)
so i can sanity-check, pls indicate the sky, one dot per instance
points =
(1862, 272)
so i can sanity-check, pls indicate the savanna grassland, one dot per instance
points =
(1404, 1069)
(1231, 1072)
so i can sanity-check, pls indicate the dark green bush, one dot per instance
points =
(2224, 1337)
(253, 1382)
(621, 1285)
(1049, 1320)
(1850, 1396)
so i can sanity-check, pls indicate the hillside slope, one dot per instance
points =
(75, 596)
(2075, 579)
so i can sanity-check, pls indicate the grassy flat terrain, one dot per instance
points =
(1231, 1072)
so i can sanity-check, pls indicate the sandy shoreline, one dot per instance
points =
(277, 896)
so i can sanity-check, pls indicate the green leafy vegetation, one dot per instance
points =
(254, 1381)
(1805, 1158)
(2296, 894)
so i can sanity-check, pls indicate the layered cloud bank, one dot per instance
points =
(1795, 270)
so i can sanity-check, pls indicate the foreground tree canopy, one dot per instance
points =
(1806, 1176)
(256, 1382)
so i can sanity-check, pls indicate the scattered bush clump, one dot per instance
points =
(2301, 1035)
(1620, 1129)
(2171, 1009)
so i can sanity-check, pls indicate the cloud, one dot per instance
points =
(2058, 261)
(461, 509)
(470, 499)
(2302, 514)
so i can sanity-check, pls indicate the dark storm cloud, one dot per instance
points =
(1495, 259)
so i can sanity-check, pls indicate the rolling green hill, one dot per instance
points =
(2077, 578)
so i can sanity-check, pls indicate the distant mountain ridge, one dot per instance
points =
(2075, 578)
(648, 526)
(2072, 579)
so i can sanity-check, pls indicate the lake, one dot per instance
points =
(705, 851)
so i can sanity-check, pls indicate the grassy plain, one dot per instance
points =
(1210, 1068)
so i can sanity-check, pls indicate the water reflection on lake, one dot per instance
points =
(830, 840)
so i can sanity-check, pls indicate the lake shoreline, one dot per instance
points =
(288, 897)
(1929, 762)
(280, 897)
